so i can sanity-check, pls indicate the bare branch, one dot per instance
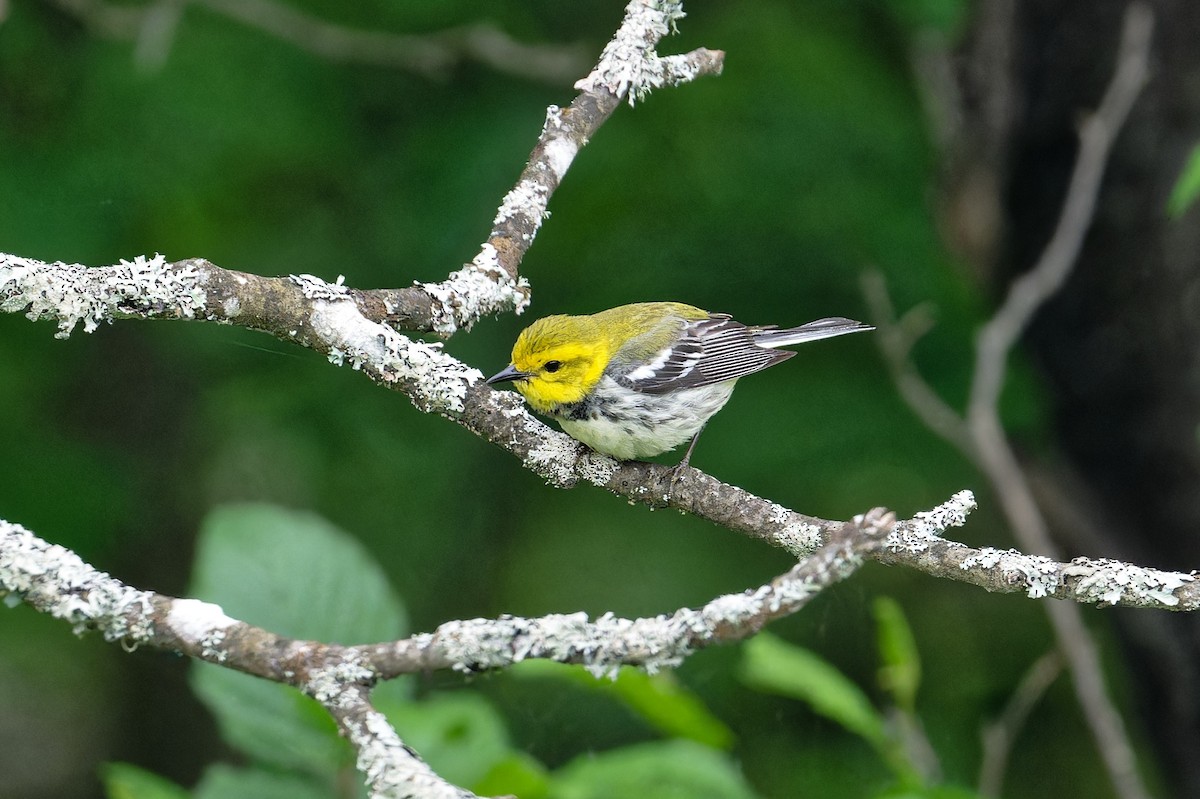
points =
(999, 736)
(432, 55)
(1096, 136)
(896, 338)
(996, 340)
(986, 442)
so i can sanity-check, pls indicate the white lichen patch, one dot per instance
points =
(527, 200)
(951, 513)
(560, 154)
(926, 527)
(1109, 582)
(202, 624)
(436, 381)
(392, 771)
(314, 288)
(56, 581)
(328, 684)
(628, 66)
(791, 594)
(481, 288)
(730, 609)
(72, 293)
(1040, 575)
(798, 537)
(677, 69)
(596, 468)
(553, 458)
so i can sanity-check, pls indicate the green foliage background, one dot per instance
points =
(764, 193)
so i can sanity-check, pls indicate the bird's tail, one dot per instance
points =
(821, 328)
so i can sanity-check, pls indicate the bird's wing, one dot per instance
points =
(710, 350)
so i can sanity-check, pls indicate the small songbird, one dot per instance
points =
(638, 380)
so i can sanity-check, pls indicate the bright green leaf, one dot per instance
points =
(518, 774)
(676, 769)
(659, 699)
(126, 781)
(669, 707)
(774, 666)
(900, 673)
(1187, 187)
(226, 782)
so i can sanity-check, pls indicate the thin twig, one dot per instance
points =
(986, 441)
(999, 736)
(432, 55)
(1096, 136)
(896, 338)
(997, 339)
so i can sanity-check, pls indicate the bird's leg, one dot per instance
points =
(678, 468)
(687, 456)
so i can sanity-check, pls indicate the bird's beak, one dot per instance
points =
(509, 372)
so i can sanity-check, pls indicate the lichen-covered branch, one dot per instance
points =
(392, 770)
(628, 67)
(327, 317)
(605, 644)
(55, 581)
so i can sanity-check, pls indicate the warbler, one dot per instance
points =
(638, 380)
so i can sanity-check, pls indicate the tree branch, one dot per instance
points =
(55, 581)
(999, 736)
(153, 28)
(985, 441)
(327, 318)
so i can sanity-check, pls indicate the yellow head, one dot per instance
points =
(557, 360)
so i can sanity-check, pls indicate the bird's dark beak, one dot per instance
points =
(509, 372)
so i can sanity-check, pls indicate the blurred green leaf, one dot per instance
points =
(900, 672)
(663, 770)
(226, 782)
(272, 723)
(774, 666)
(293, 573)
(518, 774)
(659, 699)
(933, 792)
(670, 707)
(458, 734)
(1187, 187)
(127, 781)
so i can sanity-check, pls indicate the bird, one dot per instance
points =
(638, 380)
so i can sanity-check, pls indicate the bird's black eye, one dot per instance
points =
(552, 366)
